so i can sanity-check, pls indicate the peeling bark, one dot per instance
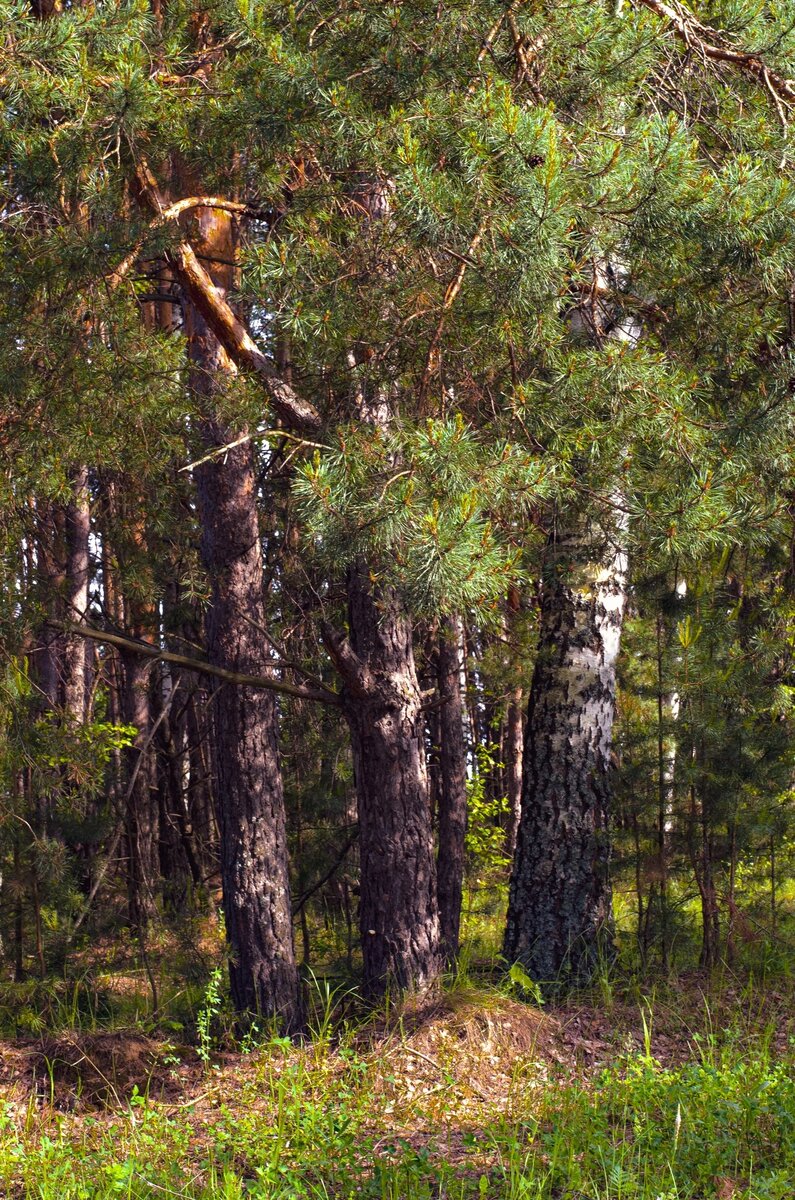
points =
(75, 685)
(514, 750)
(559, 914)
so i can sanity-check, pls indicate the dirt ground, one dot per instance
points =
(468, 1043)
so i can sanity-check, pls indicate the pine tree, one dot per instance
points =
(411, 205)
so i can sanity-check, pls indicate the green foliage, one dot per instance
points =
(207, 1015)
(436, 197)
(705, 741)
(425, 505)
(485, 836)
(526, 987)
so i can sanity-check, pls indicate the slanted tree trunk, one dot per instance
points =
(559, 912)
(254, 860)
(398, 911)
(450, 860)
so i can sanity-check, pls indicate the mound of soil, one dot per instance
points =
(97, 1069)
(474, 1045)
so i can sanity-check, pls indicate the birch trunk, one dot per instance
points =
(76, 650)
(559, 914)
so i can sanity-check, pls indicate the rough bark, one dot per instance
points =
(398, 912)
(254, 861)
(559, 913)
(142, 815)
(450, 860)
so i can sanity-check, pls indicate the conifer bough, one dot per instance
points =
(714, 45)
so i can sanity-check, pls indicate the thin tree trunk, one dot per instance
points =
(474, 695)
(50, 554)
(514, 749)
(664, 785)
(450, 861)
(731, 949)
(201, 801)
(19, 914)
(178, 852)
(75, 688)
(126, 536)
(142, 816)
(559, 912)
(710, 945)
(254, 857)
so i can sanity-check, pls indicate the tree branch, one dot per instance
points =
(170, 214)
(715, 46)
(262, 682)
(317, 886)
(356, 674)
(297, 413)
(452, 290)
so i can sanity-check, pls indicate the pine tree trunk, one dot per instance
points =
(450, 861)
(201, 799)
(559, 913)
(254, 857)
(142, 816)
(132, 604)
(398, 911)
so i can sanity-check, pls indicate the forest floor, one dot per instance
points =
(685, 1089)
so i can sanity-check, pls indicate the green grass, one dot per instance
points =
(337, 1119)
(307, 1122)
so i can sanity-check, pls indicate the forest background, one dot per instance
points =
(397, 532)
